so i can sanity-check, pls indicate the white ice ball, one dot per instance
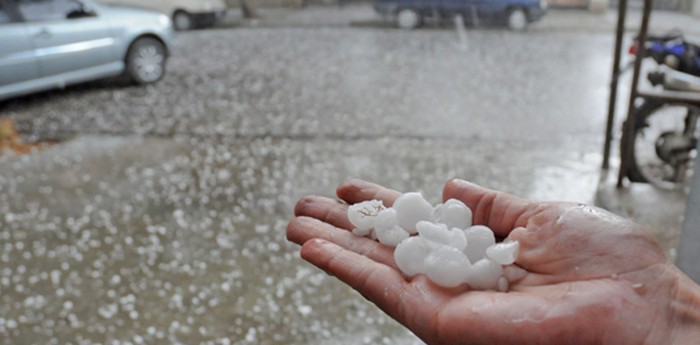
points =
(446, 246)
(447, 266)
(387, 229)
(485, 274)
(439, 233)
(479, 237)
(503, 253)
(362, 215)
(410, 255)
(502, 284)
(410, 209)
(514, 273)
(432, 231)
(457, 238)
(386, 219)
(391, 236)
(453, 213)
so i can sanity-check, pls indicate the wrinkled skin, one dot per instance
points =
(593, 278)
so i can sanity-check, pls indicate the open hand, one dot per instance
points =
(593, 277)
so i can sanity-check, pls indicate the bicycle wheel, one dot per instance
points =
(664, 144)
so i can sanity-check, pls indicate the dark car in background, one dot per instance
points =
(514, 14)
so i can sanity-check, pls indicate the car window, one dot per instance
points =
(42, 10)
(4, 16)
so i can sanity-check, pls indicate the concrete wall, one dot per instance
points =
(690, 6)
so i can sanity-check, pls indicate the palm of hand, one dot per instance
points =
(590, 272)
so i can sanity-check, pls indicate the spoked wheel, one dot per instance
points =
(664, 144)
(145, 62)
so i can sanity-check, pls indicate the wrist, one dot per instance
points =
(684, 320)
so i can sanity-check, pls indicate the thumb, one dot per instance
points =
(499, 211)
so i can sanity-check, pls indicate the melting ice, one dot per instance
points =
(439, 241)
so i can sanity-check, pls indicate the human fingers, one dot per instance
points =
(379, 283)
(303, 229)
(331, 211)
(355, 190)
(500, 211)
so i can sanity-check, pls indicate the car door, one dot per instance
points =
(487, 9)
(451, 8)
(66, 38)
(18, 62)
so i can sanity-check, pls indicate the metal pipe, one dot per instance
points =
(621, 16)
(628, 130)
(475, 16)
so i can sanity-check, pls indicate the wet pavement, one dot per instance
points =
(163, 220)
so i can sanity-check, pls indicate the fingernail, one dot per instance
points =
(312, 247)
(462, 182)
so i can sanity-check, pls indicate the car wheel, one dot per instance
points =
(145, 62)
(408, 19)
(517, 19)
(182, 21)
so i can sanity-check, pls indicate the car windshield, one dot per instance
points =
(4, 16)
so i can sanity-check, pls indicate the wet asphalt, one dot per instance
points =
(160, 216)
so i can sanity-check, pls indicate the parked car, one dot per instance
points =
(515, 14)
(53, 43)
(186, 14)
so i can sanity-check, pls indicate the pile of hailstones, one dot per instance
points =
(439, 241)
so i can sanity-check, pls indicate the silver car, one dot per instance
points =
(47, 44)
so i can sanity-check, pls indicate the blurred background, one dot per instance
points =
(145, 192)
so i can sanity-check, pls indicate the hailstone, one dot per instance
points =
(485, 275)
(410, 255)
(453, 213)
(439, 234)
(503, 253)
(445, 246)
(479, 238)
(513, 273)
(362, 215)
(391, 236)
(411, 208)
(387, 229)
(447, 266)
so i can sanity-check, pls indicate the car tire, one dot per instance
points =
(408, 19)
(182, 21)
(516, 20)
(145, 62)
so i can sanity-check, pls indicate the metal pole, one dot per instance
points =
(628, 129)
(621, 15)
(475, 16)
